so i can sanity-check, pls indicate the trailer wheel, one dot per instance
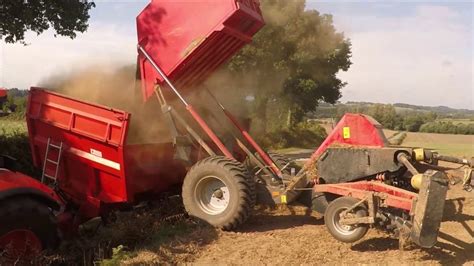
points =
(27, 227)
(345, 233)
(219, 191)
(279, 159)
(282, 161)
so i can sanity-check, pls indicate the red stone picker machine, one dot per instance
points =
(90, 168)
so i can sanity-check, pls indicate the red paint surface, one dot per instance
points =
(3, 92)
(209, 132)
(364, 131)
(189, 40)
(393, 196)
(14, 180)
(98, 133)
(20, 244)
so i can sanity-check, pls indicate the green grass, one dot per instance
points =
(463, 150)
(10, 127)
(456, 145)
(14, 142)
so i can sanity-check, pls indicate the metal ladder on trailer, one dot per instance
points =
(47, 160)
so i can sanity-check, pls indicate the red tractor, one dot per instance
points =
(3, 97)
(89, 167)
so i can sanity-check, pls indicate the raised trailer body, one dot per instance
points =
(189, 40)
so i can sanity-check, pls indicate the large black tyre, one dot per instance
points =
(26, 214)
(219, 191)
(320, 201)
(279, 159)
(345, 233)
(282, 161)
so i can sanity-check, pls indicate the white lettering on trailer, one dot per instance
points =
(95, 158)
(96, 153)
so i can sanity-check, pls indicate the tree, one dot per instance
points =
(293, 61)
(66, 17)
(413, 122)
(386, 115)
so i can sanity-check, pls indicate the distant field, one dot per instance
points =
(7, 127)
(388, 133)
(458, 145)
(457, 121)
(399, 109)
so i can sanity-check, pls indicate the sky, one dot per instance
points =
(403, 51)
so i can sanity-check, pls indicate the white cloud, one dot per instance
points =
(25, 66)
(424, 58)
(420, 58)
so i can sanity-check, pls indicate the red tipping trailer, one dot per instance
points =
(83, 150)
(97, 166)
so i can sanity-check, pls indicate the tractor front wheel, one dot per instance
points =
(345, 233)
(219, 191)
(27, 227)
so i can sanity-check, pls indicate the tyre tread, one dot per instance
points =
(244, 183)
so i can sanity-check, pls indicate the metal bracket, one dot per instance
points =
(173, 117)
(360, 220)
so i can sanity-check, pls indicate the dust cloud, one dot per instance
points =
(116, 88)
(119, 88)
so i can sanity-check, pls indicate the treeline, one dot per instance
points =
(441, 111)
(407, 121)
(384, 113)
(400, 120)
(447, 127)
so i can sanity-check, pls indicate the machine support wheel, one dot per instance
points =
(320, 201)
(27, 227)
(219, 191)
(345, 233)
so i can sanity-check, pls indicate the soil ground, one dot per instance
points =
(293, 236)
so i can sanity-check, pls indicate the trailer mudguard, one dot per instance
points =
(14, 184)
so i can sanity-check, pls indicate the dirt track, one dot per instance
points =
(278, 237)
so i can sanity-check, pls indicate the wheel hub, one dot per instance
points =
(342, 229)
(213, 195)
(218, 194)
